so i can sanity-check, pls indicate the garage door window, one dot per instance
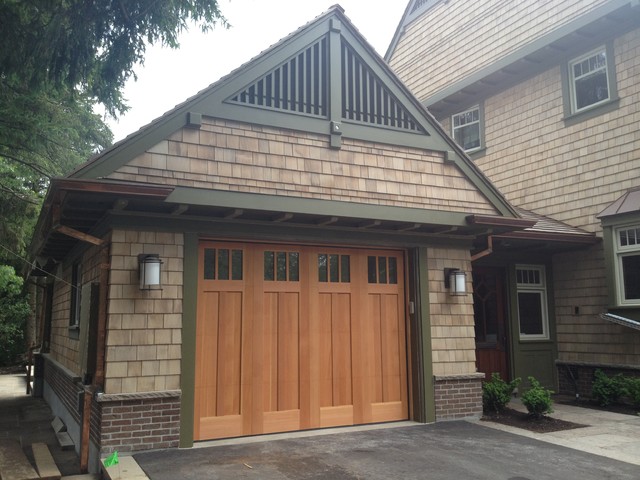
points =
(334, 268)
(382, 270)
(222, 264)
(281, 266)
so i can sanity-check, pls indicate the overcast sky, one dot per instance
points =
(171, 76)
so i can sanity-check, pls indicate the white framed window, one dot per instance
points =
(533, 317)
(589, 80)
(627, 264)
(466, 129)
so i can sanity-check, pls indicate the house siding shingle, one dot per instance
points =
(233, 156)
(486, 30)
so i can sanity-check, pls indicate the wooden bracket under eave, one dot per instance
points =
(72, 232)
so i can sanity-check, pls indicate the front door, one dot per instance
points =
(490, 325)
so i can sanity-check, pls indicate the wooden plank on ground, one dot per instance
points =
(126, 469)
(45, 464)
(14, 464)
(84, 476)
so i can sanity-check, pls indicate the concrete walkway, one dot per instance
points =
(611, 435)
(28, 420)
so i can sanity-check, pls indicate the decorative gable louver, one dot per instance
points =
(300, 85)
(366, 99)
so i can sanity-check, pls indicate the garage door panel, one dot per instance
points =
(298, 339)
(229, 353)
(391, 371)
(373, 349)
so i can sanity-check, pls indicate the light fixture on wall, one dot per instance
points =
(456, 281)
(149, 267)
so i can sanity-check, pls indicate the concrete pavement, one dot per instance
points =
(611, 435)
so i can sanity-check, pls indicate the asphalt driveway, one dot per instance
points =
(450, 450)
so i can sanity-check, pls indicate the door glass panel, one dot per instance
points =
(382, 269)
(294, 266)
(530, 313)
(236, 265)
(393, 270)
(269, 271)
(322, 267)
(333, 268)
(281, 266)
(223, 264)
(345, 268)
(372, 271)
(209, 263)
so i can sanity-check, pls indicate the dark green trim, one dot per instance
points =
(571, 117)
(277, 232)
(212, 102)
(609, 265)
(425, 323)
(312, 206)
(189, 317)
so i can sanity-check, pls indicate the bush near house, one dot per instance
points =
(607, 390)
(14, 311)
(496, 393)
(537, 399)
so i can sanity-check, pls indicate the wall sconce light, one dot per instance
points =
(149, 271)
(456, 281)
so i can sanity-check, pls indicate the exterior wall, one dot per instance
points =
(130, 423)
(568, 170)
(485, 30)
(64, 344)
(530, 152)
(458, 391)
(246, 158)
(144, 337)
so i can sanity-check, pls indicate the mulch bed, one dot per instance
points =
(514, 418)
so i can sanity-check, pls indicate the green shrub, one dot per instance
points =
(14, 310)
(633, 390)
(607, 390)
(537, 399)
(496, 393)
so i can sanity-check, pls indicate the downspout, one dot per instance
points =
(487, 251)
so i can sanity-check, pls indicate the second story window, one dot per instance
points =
(466, 129)
(589, 80)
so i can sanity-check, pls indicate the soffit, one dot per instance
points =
(568, 41)
(86, 207)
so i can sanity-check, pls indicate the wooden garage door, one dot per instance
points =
(291, 338)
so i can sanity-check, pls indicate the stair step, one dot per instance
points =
(65, 441)
(58, 425)
(14, 464)
(45, 464)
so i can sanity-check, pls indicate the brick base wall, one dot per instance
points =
(134, 422)
(578, 378)
(65, 385)
(458, 396)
